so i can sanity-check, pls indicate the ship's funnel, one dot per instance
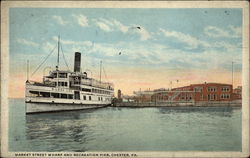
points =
(77, 62)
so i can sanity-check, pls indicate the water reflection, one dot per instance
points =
(70, 127)
(126, 129)
(217, 111)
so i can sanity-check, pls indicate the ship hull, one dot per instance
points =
(38, 107)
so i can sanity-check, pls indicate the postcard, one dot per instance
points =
(125, 79)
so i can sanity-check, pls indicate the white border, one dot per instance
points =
(127, 4)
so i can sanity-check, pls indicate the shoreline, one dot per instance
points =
(179, 104)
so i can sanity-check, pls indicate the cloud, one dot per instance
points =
(103, 26)
(191, 41)
(115, 25)
(236, 30)
(216, 32)
(120, 26)
(59, 20)
(27, 42)
(229, 47)
(47, 46)
(70, 42)
(81, 20)
(109, 25)
(144, 34)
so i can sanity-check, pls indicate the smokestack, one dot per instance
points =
(77, 62)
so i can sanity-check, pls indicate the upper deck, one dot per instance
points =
(70, 79)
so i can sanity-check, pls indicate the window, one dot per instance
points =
(55, 95)
(64, 96)
(62, 75)
(225, 89)
(45, 94)
(89, 97)
(34, 93)
(225, 96)
(77, 95)
(84, 97)
(211, 97)
(212, 89)
(198, 89)
(70, 96)
(86, 90)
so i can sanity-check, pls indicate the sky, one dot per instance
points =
(140, 48)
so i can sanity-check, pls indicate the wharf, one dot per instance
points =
(237, 103)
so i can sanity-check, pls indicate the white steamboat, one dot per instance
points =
(67, 90)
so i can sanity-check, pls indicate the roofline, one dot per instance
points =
(211, 83)
(200, 84)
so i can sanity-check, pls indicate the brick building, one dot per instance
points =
(194, 92)
(206, 92)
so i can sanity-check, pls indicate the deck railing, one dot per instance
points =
(95, 83)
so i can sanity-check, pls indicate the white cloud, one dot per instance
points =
(103, 26)
(120, 26)
(185, 38)
(27, 42)
(115, 25)
(154, 54)
(216, 32)
(47, 46)
(81, 20)
(229, 47)
(144, 34)
(59, 20)
(236, 30)
(70, 42)
(107, 25)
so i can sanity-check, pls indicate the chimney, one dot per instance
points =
(77, 62)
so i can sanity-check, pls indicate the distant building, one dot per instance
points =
(127, 98)
(143, 96)
(237, 93)
(119, 94)
(193, 92)
(206, 92)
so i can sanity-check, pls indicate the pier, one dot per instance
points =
(194, 95)
(236, 103)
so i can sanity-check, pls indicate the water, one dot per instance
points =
(126, 129)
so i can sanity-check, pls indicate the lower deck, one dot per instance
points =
(38, 107)
(91, 100)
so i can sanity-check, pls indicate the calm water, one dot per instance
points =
(126, 129)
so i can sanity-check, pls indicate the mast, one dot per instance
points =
(232, 73)
(27, 70)
(100, 71)
(57, 66)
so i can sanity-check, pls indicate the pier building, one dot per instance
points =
(205, 92)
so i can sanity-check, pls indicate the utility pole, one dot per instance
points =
(232, 74)
(100, 71)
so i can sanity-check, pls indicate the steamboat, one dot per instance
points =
(63, 90)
